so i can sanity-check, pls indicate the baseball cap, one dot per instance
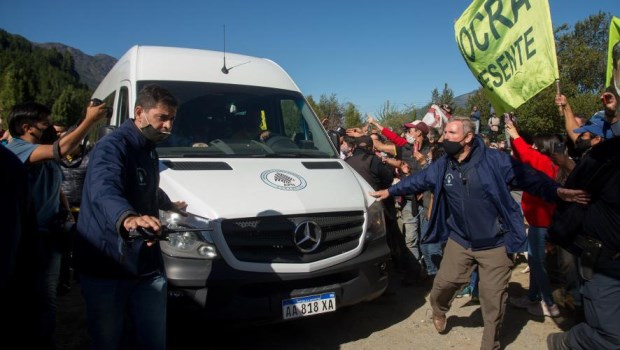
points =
(417, 124)
(594, 126)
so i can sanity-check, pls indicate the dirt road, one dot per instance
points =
(400, 319)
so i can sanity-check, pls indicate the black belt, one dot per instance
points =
(605, 254)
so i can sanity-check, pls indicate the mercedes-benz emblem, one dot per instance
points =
(307, 236)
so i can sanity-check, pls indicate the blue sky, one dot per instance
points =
(365, 52)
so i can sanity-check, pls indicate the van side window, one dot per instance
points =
(123, 105)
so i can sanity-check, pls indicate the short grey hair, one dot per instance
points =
(468, 124)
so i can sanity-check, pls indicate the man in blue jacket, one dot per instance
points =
(121, 193)
(474, 211)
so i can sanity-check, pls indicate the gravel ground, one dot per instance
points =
(400, 319)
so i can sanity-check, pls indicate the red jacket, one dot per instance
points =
(537, 212)
(394, 137)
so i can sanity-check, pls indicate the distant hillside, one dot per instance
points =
(92, 69)
(461, 101)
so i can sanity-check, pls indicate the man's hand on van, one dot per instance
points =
(180, 207)
(380, 195)
(149, 222)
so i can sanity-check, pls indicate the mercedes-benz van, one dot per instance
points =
(288, 229)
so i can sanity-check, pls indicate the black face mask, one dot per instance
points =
(582, 145)
(48, 136)
(153, 134)
(452, 148)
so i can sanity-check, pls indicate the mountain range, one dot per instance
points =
(92, 69)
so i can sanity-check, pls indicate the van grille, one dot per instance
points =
(270, 239)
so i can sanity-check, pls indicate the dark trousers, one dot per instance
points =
(601, 306)
(402, 257)
(494, 268)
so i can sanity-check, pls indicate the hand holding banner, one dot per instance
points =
(510, 48)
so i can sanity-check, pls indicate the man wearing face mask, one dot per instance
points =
(590, 134)
(414, 142)
(474, 211)
(591, 233)
(29, 126)
(120, 277)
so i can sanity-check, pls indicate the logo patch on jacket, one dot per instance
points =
(448, 180)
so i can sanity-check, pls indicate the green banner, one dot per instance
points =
(510, 49)
(614, 38)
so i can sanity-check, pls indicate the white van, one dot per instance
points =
(289, 229)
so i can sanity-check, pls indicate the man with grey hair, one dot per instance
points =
(474, 212)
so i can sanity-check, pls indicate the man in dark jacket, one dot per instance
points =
(121, 193)
(30, 128)
(19, 257)
(591, 232)
(474, 211)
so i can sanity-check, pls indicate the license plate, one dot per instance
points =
(308, 306)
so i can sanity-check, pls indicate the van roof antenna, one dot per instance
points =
(224, 69)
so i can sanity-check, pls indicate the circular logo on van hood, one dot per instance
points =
(283, 180)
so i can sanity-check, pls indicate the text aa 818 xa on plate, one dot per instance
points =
(308, 306)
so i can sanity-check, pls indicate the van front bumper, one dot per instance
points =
(214, 291)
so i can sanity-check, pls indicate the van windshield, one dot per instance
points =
(222, 120)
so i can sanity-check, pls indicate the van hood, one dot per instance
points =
(239, 188)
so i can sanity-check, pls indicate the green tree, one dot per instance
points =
(15, 87)
(30, 73)
(352, 116)
(394, 118)
(582, 53)
(331, 109)
(313, 105)
(435, 97)
(69, 106)
(447, 95)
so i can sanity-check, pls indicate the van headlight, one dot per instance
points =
(195, 243)
(376, 221)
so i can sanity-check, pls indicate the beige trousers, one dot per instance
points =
(494, 269)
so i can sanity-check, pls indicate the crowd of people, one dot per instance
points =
(116, 188)
(459, 208)
(448, 193)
